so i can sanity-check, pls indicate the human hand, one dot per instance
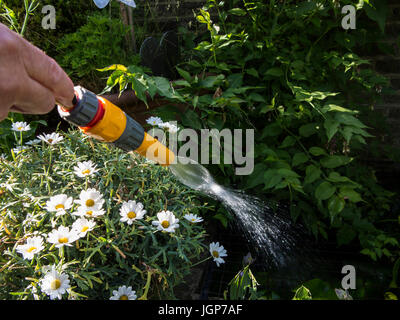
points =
(30, 81)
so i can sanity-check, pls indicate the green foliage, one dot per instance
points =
(94, 45)
(11, 17)
(114, 253)
(302, 293)
(292, 73)
(243, 286)
(10, 139)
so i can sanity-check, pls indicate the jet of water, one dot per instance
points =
(269, 229)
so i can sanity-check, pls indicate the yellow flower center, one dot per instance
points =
(31, 249)
(60, 206)
(63, 240)
(50, 140)
(90, 203)
(165, 224)
(193, 220)
(20, 128)
(131, 215)
(55, 284)
(89, 212)
(84, 228)
(123, 297)
(215, 254)
(87, 171)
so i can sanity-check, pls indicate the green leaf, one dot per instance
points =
(317, 151)
(308, 129)
(299, 158)
(211, 81)
(334, 161)
(312, 174)
(347, 133)
(331, 126)
(302, 293)
(271, 130)
(235, 80)
(336, 177)
(184, 74)
(140, 89)
(349, 120)
(195, 101)
(324, 191)
(256, 97)
(377, 11)
(333, 107)
(253, 72)
(256, 177)
(335, 205)
(237, 12)
(222, 218)
(272, 178)
(288, 142)
(275, 72)
(287, 173)
(191, 119)
(182, 83)
(349, 193)
(116, 67)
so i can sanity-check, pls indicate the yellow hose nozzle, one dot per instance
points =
(154, 150)
(99, 118)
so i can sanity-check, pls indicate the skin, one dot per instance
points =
(30, 81)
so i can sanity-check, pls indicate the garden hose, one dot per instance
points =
(104, 121)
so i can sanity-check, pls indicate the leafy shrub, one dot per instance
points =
(114, 253)
(290, 71)
(96, 44)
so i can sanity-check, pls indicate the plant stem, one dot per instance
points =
(147, 286)
(197, 263)
(27, 11)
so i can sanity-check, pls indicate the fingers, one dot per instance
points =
(41, 99)
(48, 73)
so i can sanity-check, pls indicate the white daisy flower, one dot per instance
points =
(33, 245)
(82, 226)
(170, 127)
(59, 204)
(131, 211)
(154, 121)
(124, 293)
(166, 221)
(33, 142)
(85, 168)
(217, 252)
(62, 236)
(193, 218)
(20, 126)
(55, 284)
(51, 138)
(90, 199)
(19, 149)
(88, 213)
